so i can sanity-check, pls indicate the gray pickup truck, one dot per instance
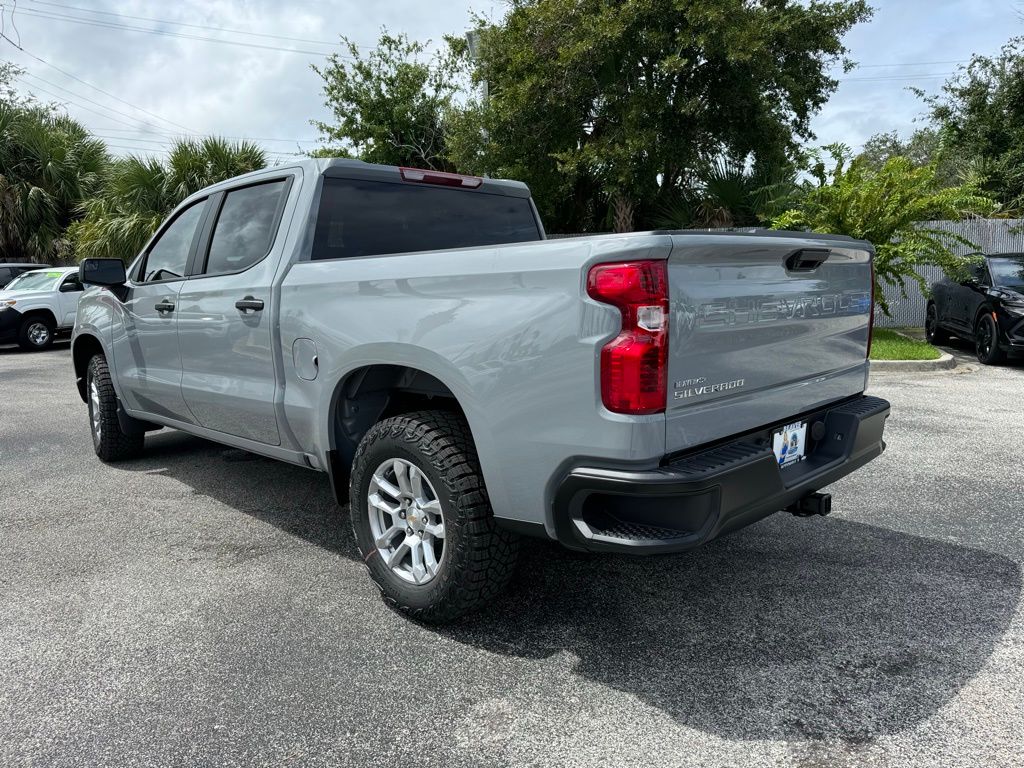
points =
(463, 380)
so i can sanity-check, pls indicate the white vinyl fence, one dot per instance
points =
(989, 235)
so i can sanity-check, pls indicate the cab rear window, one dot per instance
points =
(371, 218)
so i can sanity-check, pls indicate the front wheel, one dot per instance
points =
(986, 340)
(36, 333)
(110, 442)
(932, 331)
(422, 520)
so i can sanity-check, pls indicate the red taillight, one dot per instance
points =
(871, 315)
(440, 177)
(633, 364)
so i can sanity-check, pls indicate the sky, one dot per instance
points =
(137, 80)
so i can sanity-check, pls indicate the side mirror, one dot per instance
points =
(106, 272)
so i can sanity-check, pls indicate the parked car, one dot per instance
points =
(9, 270)
(38, 306)
(463, 381)
(987, 309)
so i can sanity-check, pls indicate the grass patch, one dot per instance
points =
(889, 345)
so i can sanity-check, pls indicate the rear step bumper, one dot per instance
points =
(690, 501)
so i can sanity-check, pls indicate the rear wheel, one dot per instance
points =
(932, 331)
(422, 520)
(109, 441)
(35, 333)
(986, 340)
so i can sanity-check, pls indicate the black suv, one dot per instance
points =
(10, 271)
(987, 309)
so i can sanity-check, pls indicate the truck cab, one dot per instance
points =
(39, 305)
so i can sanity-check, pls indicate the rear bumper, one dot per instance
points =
(691, 500)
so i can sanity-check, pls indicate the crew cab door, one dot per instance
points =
(968, 296)
(68, 294)
(225, 319)
(147, 358)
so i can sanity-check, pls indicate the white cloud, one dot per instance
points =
(256, 92)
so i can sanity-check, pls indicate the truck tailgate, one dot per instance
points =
(761, 329)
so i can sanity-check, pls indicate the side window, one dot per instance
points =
(245, 227)
(169, 254)
(71, 284)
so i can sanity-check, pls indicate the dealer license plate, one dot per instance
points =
(789, 443)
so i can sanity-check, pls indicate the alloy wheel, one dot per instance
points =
(94, 411)
(406, 520)
(985, 338)
(38, 334)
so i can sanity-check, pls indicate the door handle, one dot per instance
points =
(807, 259)
(164, 306)
(249, 303)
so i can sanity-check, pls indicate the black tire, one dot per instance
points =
(477, 558)
(986, 340)
(109, 441)
(932, 330)
(36, 333)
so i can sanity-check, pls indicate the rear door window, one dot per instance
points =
(368, 218)
(246, 226)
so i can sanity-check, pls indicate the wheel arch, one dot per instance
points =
(45, 312)
(985, 309)
(83, 348)
(369, 393)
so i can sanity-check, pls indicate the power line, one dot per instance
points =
(97, 88)
(130, 128)
(883, 78)
(139, 150)
(51, 14)
(237, 138)
(66, 100)
(80, 96)
(909, 64)
(332, 43)
(157, 142)
(169, 33)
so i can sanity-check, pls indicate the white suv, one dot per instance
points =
(36, 306)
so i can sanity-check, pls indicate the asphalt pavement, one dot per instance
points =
(204, 607)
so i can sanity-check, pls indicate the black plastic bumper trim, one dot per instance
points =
(716, 491)
(10, 323)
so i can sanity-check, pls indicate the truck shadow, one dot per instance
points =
(792, 629)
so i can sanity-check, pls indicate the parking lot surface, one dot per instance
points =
(202, 606)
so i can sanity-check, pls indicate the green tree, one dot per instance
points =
(980, 116)
(884, 206)
(8, 93)
(138, 193)
(49, 164)
(925, 146)
(606, 108)
(389, 104)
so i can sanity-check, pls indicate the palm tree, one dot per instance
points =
(139, 192)
(729, 193)
(48, 164)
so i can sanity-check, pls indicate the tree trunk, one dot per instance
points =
(622, 213)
